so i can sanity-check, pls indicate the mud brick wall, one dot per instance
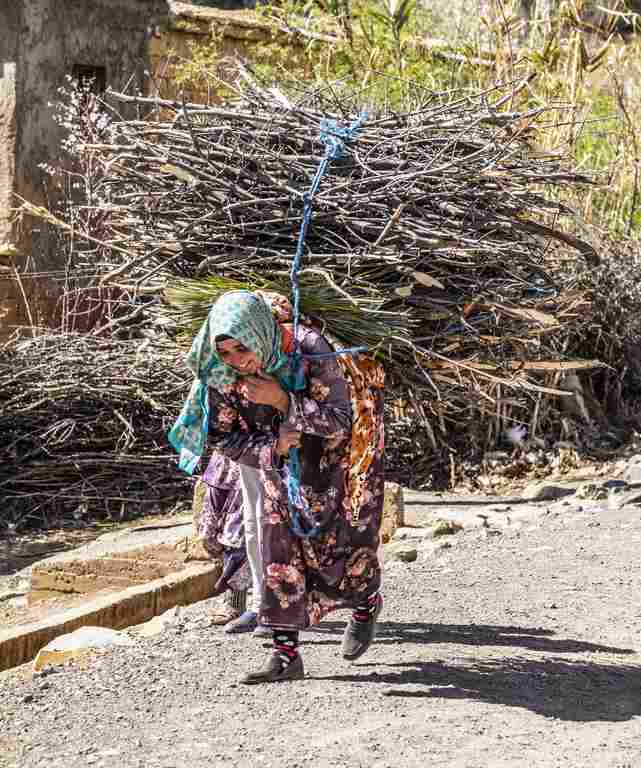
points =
(42, 41)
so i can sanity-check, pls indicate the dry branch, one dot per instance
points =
(440, 233)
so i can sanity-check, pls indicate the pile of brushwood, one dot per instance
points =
(439, 239)
(83, 424)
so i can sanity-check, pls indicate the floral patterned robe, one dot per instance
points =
(221, 524)
(340, 416)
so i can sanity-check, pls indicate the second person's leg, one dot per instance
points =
(252, 491)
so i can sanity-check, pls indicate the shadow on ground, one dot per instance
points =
(531, 638)
(576, 690)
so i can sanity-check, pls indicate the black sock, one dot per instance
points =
(365, 611)
(286, 645)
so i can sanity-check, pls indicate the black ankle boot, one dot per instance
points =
(359, 634)
(275, 671)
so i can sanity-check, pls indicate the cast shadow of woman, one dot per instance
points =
(536, 678)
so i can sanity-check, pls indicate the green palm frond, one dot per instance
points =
(353, 320)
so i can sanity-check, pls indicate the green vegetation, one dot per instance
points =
(355, 320)
(394, 45)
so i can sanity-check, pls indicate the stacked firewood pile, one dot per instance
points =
(82, 429)
(438, 239)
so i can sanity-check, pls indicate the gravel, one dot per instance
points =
(513, 648)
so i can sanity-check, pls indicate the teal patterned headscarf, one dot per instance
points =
(243, 316)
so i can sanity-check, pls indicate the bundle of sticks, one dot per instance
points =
(82, 428)
(439, 238)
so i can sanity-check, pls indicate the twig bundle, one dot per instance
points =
(436, 238)
(83, 426)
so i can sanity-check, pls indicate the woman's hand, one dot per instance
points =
(264, 390)
(287, 439)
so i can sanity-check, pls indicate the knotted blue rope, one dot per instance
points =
(334, 137)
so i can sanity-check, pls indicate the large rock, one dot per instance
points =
(393, 511)
(538, 491)
(198, 503)
(592, 492)
(78, 643)
(417, 534)
(632, 473)
(431, 530)
(442, 527)
(194, 546)
(406, 553)
(156, 625)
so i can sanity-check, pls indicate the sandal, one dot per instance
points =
(246, 622)
(223, 614)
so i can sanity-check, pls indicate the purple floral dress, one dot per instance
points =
(221, 523)
(340, 416)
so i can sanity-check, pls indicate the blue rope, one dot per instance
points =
(336, 353)
(334, 137)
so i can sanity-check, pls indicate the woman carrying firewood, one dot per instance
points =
(320, 528)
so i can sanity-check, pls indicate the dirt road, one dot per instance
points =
(517, 647)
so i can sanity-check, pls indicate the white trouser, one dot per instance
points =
(252, 488)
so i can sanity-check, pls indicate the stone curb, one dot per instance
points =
(133, 605)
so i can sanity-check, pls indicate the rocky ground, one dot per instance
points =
(509, 645)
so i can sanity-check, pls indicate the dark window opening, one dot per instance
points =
(92, 78)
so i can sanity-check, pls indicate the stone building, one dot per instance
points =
(113, 42)
(42, 41)
(237, 33)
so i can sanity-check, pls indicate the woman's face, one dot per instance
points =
(241, 359)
